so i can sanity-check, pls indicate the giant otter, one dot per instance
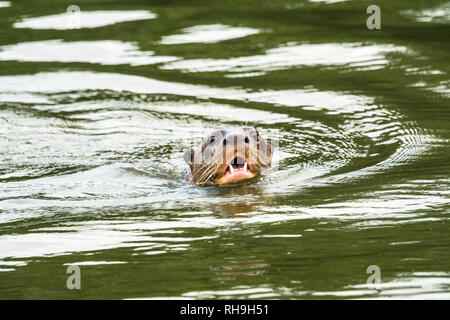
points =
(229, 155)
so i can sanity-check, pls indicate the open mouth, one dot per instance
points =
(237, 169)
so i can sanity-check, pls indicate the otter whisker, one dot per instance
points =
(209, 170)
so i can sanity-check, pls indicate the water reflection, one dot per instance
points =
(80, 81)
(106, 52)
(209, 33)
(94, 263)
(23, 98)
(417, 285)
(352, 55)
(327, 1)
(92, 236)
(84, 19)
(440, 14)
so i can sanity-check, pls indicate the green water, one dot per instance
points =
(94, 121)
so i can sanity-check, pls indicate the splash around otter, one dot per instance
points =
(229, 155)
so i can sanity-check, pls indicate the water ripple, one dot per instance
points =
(209, 33)
(106, 52)
(294, 55)
(85, 19)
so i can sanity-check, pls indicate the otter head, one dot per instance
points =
(229, 155)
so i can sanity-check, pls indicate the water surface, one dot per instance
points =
(94, 121)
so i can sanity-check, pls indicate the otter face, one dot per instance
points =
(229, 155)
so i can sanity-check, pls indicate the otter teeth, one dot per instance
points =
(232, 169)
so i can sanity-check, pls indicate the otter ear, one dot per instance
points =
(189, 156)
(269, 149)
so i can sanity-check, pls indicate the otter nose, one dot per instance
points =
(235, 139)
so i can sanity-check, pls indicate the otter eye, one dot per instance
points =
(212, 139)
